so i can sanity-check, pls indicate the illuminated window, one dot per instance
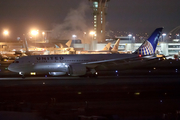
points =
(96, 4)
(94, 18)
(101, 22)
(94, 25)
(101, 31)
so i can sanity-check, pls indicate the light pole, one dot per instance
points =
(43, 33)
(177, 35)
(34, 32)
(92, 33)
(84, 37)
(74, 36)
(164, 34)
(6, 33)
(130, 35)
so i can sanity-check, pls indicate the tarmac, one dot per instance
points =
(149, 92)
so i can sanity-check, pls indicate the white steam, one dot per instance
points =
(74, 23)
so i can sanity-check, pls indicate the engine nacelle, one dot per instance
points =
(76, 70)
(57, 73)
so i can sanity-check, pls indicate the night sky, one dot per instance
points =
(20, 16)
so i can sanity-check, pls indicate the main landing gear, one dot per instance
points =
(22, 74)
(92, 73)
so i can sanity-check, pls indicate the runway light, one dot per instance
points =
(149, 71)
(137, 93)
(96, 73)
(154, 68)
(161, 101)
(79, 93)
(44, 83)
(116, 71)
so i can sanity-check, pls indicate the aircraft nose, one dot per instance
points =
(11, 67)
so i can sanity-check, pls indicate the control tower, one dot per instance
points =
(99, 19)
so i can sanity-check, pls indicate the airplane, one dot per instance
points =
(3, 57)
(87, 64)
(41, 52)
(106, 49)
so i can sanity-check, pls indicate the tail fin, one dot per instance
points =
(115, 48)
(107, 47)
(26, 45)
(149, 45)
(69, 43)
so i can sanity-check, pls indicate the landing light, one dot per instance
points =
(33, 73)
(20, 73)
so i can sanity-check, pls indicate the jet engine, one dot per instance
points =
(76, 70)
(57, 73)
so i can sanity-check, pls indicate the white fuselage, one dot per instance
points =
(59, 63)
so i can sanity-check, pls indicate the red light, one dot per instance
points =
(140, 55)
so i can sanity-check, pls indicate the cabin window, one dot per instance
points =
(17, 62)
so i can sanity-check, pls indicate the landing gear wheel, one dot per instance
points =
(23, 76)
(93, 75)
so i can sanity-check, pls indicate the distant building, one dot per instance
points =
(99, 19)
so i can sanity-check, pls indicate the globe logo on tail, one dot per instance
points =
(146, 49)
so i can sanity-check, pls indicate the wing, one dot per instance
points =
(121, 63)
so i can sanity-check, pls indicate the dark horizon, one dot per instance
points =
(19, 17)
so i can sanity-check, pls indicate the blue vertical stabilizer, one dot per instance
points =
(149, 46)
